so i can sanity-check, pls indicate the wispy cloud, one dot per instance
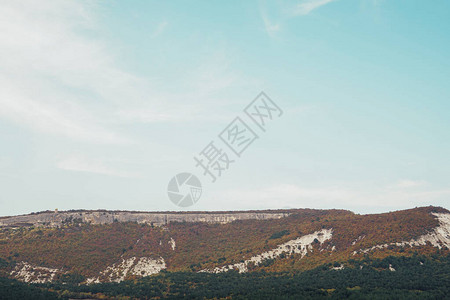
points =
(83, 164)
(198, 97)
(276, 16)
(270, 27)
(307, 6)
(213, 74)
(271, 18)
(159, 29)
(284, 195)
(53, 115)
(144, 116)
(407, 183)
(53, 78)
(338, 196)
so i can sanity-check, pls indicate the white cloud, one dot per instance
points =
(53, 115)
(83, 164)
(339, 196)
(281, 195)
(55, 80)
(159, 29)
(307, 6)
(289, 195)
(407, 183)
(277, 14)
(212, 75)
(270, 27)
(143, 116)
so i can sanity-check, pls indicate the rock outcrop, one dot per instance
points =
(54, 219)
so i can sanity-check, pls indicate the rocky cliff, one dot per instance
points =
(54, 219)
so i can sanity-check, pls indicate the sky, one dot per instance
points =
(103, 102)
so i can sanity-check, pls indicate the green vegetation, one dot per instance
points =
(279, 234)
(13, 289)
(416, 277)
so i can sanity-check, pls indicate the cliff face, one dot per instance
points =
(54, 219)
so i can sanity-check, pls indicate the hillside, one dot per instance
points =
(122, 246)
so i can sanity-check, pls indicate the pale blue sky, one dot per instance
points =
(102, 102)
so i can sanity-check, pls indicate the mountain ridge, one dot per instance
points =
(56, 218)
(291, 240)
